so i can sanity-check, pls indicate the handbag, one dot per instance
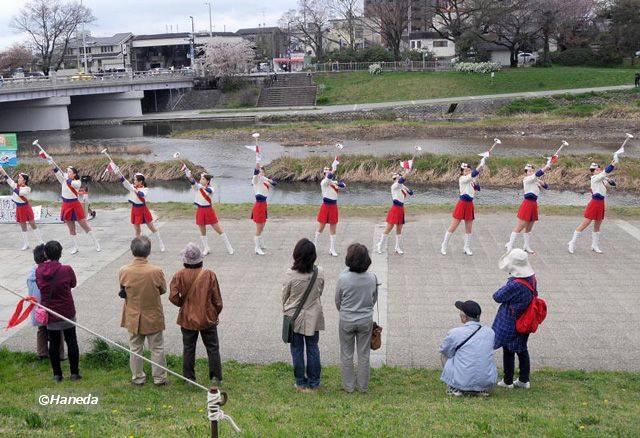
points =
(179, 299)
(376, 330)
(288, 321)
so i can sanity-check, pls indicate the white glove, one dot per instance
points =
(483, 161)
(188, 173)
(116, 169)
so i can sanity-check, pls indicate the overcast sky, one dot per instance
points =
(152, 16)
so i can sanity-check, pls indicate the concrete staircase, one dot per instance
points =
(296, 89)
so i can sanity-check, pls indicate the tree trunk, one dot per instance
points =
(513, 58)
(545, 50)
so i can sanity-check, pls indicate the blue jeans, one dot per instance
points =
(312, 377)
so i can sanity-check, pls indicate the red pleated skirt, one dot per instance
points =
(140, 214)
(464, 211)
(259, 212)
(528, 211)
(206, 216)
(24, 213)
(328, 214)
(72, 211)
(595, 210)
(396, 215)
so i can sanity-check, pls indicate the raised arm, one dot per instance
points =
(127, 185)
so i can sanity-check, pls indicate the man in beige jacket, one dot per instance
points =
(142, 313)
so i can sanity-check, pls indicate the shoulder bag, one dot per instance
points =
(376, 330)
(179, 298)
(467, 340)
(289, 321)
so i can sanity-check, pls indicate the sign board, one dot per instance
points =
(42, 215)
(8, 150)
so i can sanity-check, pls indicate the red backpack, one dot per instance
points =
(535, 313)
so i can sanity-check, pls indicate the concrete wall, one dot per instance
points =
(34, 115)
(106, 106)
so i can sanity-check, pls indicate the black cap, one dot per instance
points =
(469, 308)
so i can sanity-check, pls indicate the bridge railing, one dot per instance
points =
(81, 79)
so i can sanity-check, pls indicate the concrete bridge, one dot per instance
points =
(48, 103)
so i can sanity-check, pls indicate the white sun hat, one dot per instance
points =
(516, 263)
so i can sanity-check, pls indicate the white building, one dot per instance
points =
(433, 43)
(102, 53)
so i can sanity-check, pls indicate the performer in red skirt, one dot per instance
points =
(205, 214)
(464, 210)
(528, 212)
(395, 216)
(20, 192)
(596, 208)
(72, 210)
(328, 213)
(261, 186)
(140, 213)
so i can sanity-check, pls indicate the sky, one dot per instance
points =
(153, 16)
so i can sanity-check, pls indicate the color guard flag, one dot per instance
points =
(334, 165)
(42, 154)
(407, 164)
(111, 167)
(183, 167)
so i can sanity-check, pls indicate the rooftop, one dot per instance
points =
(89, 40)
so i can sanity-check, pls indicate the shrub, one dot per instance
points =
(375, 69)
(374, 53)
(519, 106)
(605, 57)
(414, 55)
(477, 67)
(322, 100)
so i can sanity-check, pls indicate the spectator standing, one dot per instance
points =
(514, 298)
(142, 313)
(55, 282)
(638, 79)
(467, 354)
(356, 294)
(42, 340)
(196, 292)
(307, 326)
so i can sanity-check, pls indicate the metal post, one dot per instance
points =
(193, 40)
(84, 45)
(210, 22)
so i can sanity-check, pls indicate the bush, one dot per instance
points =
(605, 57)
(247, 97)
(579, 110)
(375, 53)
(414, 55)
(518, 106)
(375, 69)
(477, 67)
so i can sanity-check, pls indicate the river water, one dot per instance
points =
(232, 164)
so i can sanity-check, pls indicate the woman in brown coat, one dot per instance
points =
(307, 326)
(196, 291)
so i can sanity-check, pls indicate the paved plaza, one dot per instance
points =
(592, 298)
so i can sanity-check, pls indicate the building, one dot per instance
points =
(102, 53)
(337, 36)
(171, 50)
(433, 43)
(269, 42)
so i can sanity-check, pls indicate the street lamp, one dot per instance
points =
(210, 23)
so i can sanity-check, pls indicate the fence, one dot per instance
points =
(386, 66)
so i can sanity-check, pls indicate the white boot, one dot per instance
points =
(74, 245)
(227, 244)
(315, 238)
(382, 243)
(445, 243)
(25, 241)
(205, 245)
(572, 242)
(595, 242)
(467, 245)
(38, 235)
(398, 248)
(512, 241)
(527, 243)
(160, 242)
(95, 241)
(332, 245)
(261, 243)
(257, 248)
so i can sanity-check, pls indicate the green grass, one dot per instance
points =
(400, 402)
(361, 87)
(534, 106)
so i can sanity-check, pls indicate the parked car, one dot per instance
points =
(80, 76)
(527, 57)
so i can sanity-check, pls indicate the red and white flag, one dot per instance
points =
(111, 167)
(42, 154)
(408, 165)
(183, 168)
(334, 165)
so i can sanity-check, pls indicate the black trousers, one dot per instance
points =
(509, 364)
(73, 352)
(210, 341)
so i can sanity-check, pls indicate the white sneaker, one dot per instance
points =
(74, 250)
(259, 251)
(454, 392)
(467, 251)
(571, 246)
(524, 385)
(379, 247)
(501, 384)
(399, 250)
(98, 248)
(596, 249)
(528, 250)
(206, 251)
(443, 250)
(24, 247)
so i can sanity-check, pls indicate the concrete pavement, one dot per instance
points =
(335, 109)
(592, 298)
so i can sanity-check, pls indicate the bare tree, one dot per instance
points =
(50, 24)
(348, 12)
(224, 58)
(309, 23)
(391, 19)
(16, 56)
(453, 19)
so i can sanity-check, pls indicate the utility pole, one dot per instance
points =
(84, 44)
(210, 22)
(193, 41)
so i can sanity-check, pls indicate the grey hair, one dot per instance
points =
(141, 247)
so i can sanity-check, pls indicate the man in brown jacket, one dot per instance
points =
(195, 290)
(142, 313)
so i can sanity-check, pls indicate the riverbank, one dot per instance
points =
(94, 167)
(400, 402)
(439, 169)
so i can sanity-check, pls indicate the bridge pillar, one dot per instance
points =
(106, 106)
(34, 115)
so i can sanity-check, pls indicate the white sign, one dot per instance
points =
(40, 214)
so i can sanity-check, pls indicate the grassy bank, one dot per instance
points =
(361, 87)
(401, 402)
(95, 168)
(570, 172)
